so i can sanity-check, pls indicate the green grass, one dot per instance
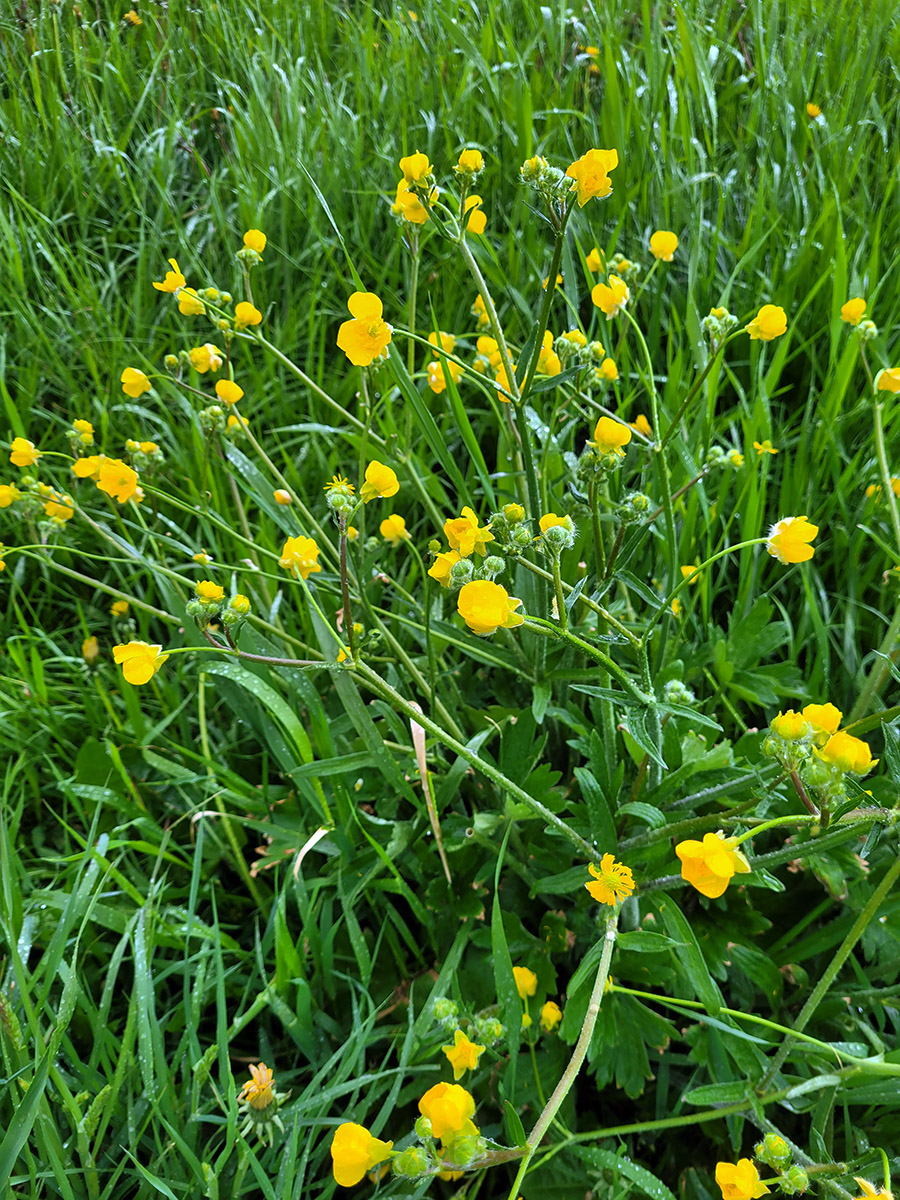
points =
(159, 931)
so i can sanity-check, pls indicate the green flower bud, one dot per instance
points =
(444, 1008)
(464, 1149)
(411, 1163)
(794, 1180)
(170, 362)
(423, 1128)
(676, 692)
(774, 1151)
(492, 565)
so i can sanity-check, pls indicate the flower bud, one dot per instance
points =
(489, 1030)
(634, 507)
(465, 1148)
(411, 1163)
(223, 324)
(445, 1009)
(521, 536)
(867, 330)
(794, 1180)
(514, 513)
(225, 297)
(676, 692)
(212, 418)
(461, 573)
(492, 565)
(423, 1128)
(170, 362)
(774, 1151)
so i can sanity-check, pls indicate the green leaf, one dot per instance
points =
(689, 954)
(733, 1092)
(610, 1160)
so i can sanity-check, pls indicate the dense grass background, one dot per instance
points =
(145, 965)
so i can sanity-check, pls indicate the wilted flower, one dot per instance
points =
(257, 1091)
(90, 650)
(614, 881)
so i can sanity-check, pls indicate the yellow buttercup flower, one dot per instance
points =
(888, 380)
(189, 303)
(300, 554)
(790, 725)
(736, 458)
(575, 337)
(479, 311)
(449, 1108)
(477, 221)
(117, 479)
(642, 425)
(608, 370)
(870, 1192)
(354, 1151)
(614, 881)
(365, 337)
(246, 314)
(710, 865)
(463, 1055)
(437, 374)
(612, 297)
(408, 205)
(813, 111)
(85, 431)
(9, 493)
(208, 591)
(526, 982)
(87, 467)
(663, 245)
(393, 529)
(789, 540)
(380, 481)
(689, 572)
(119, 608)
(594, 262)
(228, 391)
(442, 341)
(23, 453)
(551, 1015)
(59, 508)
(90, 650)
(489, 348)
(739, 1181)
(139, 661)
(257, 1091)
(765, 447)
(255, 239)
(848, 753)
(591, 175)
(471, 162)
(852, 312)
(202, 557)
(415, 167)
(442, 565)
(769, 323)
(134, 382)
(824, 719)
(486, 607)
(173, 279)
(548, 359)
(205, 358)
(282, 497)
(549, 520)
(611, 437)
(464, 534)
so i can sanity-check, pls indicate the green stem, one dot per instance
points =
(536, 625)
(581, 1046)
(413, 290)
(379, 685)
(695, 387)
(772, 825)
(880, 669)
(586, 601)
(886, 488)
(549, 293)
(346, 417)
(667, 603)
(561, 613)
(842, 953)
(665, 482)
(597, 531)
